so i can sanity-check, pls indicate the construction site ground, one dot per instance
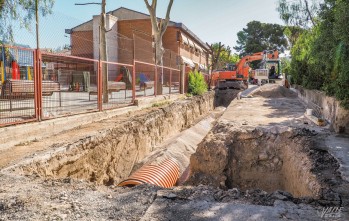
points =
(34, 197)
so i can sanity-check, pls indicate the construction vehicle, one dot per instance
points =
(236, 76)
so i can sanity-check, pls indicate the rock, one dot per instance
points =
(281, 195)
(171, 196)
(166, 194)
(263, 156)
(2, 206)
(234, 192)
(275, 160)
(331, 196)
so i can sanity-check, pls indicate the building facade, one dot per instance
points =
(123, 26)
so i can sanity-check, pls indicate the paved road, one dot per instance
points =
(338, 146)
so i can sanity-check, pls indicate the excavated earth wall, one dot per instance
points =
(266, 158)
(109, 157)
(264, 143)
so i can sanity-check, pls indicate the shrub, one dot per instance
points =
(197, 83)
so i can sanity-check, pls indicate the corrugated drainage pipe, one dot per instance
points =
(165, 175)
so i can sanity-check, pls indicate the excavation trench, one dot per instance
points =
(110, 156)
(266, 158)
(219, 154)
(267, 148)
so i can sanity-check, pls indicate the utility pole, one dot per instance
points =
(102, 47)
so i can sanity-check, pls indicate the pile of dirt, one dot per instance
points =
(274, 91)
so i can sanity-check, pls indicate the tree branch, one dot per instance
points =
(154, 4)
(169, 10)
(2, 2)
(164, 23)
(147, 4)
(91, 3)
(309, 13)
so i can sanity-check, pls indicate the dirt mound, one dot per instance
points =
(274, 91)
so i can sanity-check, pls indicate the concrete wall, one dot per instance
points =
(331, 109)
(111, 37)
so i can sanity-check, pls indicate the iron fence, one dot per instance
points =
(43, 84)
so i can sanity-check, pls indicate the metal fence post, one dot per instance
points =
(134, 71)
(38, 85)
(36, 93)
(170, 80)
(99, 86)
(156, 80)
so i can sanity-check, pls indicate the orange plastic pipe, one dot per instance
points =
(164, 175)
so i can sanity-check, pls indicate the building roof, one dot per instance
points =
(129, 14)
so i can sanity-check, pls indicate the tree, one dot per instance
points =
(196, 83)
(301, 13)
(215, 53)
(21, 11)
(220, 56)
(320, 54)
(292, 33)
(158, 30)
(257, 37)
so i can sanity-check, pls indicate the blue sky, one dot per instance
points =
(211, 20)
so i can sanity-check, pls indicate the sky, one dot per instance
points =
(211, 20)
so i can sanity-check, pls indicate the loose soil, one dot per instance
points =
(260, 160)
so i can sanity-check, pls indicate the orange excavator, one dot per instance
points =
(236, 75)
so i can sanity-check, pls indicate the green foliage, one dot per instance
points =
(257, 37)
(161, 104)
(221, 55)
(286, 66)
(20, 11)
(320, 55)
(197, 84)
(299, 13)
(292, 33)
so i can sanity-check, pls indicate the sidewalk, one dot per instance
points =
(22, 133)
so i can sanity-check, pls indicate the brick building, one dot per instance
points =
(124, 26)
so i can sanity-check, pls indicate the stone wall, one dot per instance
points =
(330, 108)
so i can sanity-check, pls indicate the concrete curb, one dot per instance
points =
(14, 135)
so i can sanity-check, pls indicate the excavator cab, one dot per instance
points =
(274, 68)
(231, 67)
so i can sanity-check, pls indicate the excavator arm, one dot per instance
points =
(231, 77)
(241, 66)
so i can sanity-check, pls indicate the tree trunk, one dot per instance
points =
(159, 52)
(214, 59)
(158, 29)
